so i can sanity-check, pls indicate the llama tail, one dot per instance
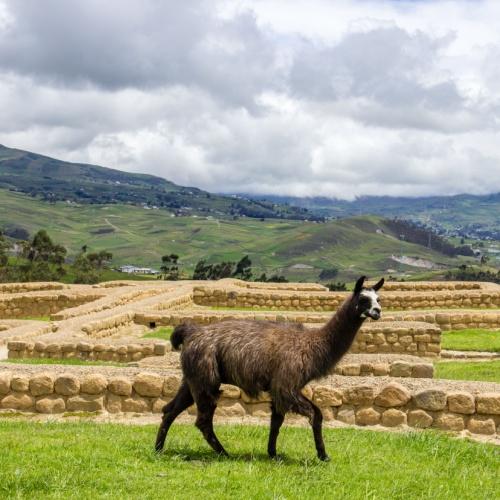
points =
(180, 334)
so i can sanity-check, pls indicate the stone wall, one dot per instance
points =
(329, 301)
(43, 304)
(416, 338)
(30, 287)
(118, 352)
(106, 327)
(389, 404)
(451, 320)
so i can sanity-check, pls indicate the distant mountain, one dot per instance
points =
(461, 215)
(55, 180)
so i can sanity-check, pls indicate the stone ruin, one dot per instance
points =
(386, 379)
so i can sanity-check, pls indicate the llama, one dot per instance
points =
(258, 356)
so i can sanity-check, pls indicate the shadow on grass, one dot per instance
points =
(204, 457)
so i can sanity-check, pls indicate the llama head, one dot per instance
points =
(366, 299)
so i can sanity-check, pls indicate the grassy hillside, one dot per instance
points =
(462, 214)
(137, 236)
(50, 179)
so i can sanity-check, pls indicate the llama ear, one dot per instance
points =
(378, 285)
(359, 285)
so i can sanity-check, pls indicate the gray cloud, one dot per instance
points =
(232, 100)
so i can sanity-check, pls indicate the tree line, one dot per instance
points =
(40, 259)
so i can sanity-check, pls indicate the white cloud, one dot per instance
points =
(306, 98)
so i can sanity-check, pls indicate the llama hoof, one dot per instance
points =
(324, 458)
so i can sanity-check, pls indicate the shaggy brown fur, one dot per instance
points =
(259, 356)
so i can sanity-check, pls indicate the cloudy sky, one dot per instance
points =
(303, 97)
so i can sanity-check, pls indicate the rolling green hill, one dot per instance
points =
(54, 180)
(298, 249)
(461, 215)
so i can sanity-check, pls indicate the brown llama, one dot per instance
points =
(258, 356)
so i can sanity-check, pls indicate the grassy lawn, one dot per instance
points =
(37, 318)
(472, 339)
(87, 460)
(488, 371)
(62, 361)
(163, 332)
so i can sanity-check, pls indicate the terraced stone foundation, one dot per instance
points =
(385, 380)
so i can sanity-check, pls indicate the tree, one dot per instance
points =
(243, 269)
(44, 259)
(169, 268)
(217, 271)
(99, 259)
(4, 247)
(84, 270)
(484, 259)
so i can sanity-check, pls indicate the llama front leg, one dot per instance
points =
(182, 400)
(313, 413)
(276, 423)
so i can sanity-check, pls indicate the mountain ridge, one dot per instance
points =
(56, 180)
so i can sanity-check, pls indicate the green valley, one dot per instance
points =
(300, 250)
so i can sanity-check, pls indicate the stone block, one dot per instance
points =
(422, 370)
(430, 399)
(450, 422)
(18, 401)
(19, 383)
(135, 404)
(120, 386)
(381, 369)
(93, 384)
(346, 414)
(393, 394)
(50, 404)
(113, 403)
(42, 384)
(85, 402)
(230, 408)
(359, 395)
(488, 403)
(419, 418)
(324, 396)
(261, 410)
(461, 402)
(481, 425)
(159, 404)
(393, 418)
(367, 416)
(67, 385)
(148, 384)
(171, 385)
(400, 369)
(230, 391)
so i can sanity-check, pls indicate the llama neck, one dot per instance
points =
(340, 331)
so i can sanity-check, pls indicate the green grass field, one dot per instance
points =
(487, 371)
(87, 460)
(163, 333)
(472, 339)
(140, 237)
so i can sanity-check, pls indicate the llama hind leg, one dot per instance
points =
(313, 413)
(171, 411)
(206, 404)
(276, 423)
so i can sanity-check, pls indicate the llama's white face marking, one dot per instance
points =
(370, 306)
